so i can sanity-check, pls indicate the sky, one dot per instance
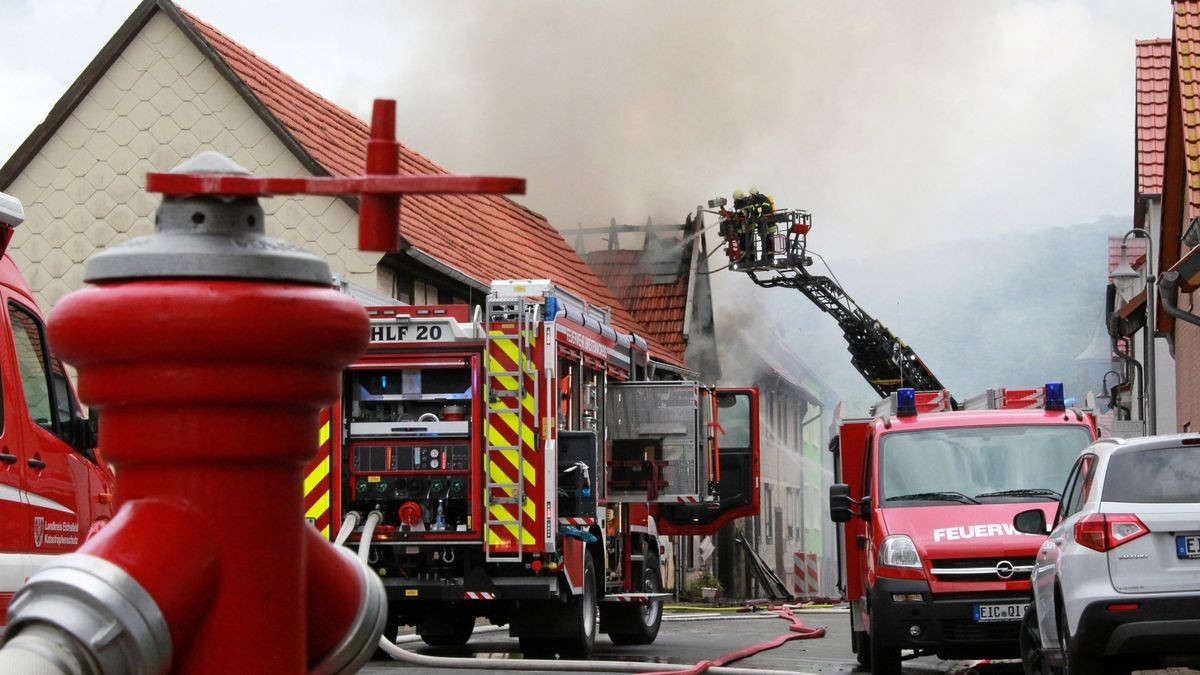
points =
(895, 123)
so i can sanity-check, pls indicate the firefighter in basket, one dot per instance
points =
(762, 208)
(744, 227)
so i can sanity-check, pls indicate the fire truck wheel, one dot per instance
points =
(885, 659)
(447, 630)
(636, 624)
(862, 647)
(579, 636)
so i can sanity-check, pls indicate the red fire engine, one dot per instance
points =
(54, 487)
(931, 560)
(520, 467)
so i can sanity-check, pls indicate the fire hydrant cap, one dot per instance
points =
(209, 236)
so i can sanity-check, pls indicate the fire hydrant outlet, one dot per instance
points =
(102, 607)
(360, 640)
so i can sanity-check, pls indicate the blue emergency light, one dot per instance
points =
(906, 402)
(551, 308)
(1054, 399)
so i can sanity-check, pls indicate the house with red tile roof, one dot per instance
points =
(1177, 255)
(1154, 391)
(168, 85)
(665, 284)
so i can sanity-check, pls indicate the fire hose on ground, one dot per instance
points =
(715, 666)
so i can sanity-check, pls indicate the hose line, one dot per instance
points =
(348, 526)
(462, 663)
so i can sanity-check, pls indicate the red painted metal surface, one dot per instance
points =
(331, 580)
(379, 191)
(183, 545)
(210, 393)
(251, 186)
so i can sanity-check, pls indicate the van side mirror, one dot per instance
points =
(1032, 521)
(840, 504)
(83, 432)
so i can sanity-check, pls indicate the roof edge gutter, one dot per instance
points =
(683, 373)
(1168, 284)
(461, 277)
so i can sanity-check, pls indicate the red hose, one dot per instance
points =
(798, 631)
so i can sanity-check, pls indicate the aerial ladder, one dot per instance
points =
(771, 247)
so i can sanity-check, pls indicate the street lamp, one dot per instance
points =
(1124, 272)
(1109, 398)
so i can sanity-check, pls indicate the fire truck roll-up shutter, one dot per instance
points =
(514, 505)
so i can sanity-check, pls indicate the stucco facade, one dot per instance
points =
(160, 102)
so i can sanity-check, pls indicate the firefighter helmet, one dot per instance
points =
(738, 194)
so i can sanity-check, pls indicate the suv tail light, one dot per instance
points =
(1106, 531)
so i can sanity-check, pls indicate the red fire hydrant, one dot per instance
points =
(208, 350)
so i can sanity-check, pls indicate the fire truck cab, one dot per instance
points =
(54, 487)
(927, 495)
(522, 468)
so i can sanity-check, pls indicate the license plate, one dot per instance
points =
(1187, 546)
(1012, 611)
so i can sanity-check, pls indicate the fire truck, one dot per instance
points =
(54, 487)
(927, 495)
(927, 487)
(516, 464)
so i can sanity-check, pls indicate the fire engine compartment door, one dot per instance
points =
(736, 431)
(656, 450)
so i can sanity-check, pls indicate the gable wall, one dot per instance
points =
(160, 102)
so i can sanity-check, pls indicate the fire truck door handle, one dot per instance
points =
(396, 430)
(8, 457)
(861, 540)
(36, 463)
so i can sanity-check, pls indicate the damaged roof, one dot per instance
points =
(477, 237)
(658, 301)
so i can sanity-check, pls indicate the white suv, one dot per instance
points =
(1116, 585)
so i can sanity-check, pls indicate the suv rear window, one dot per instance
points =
(1169, 475)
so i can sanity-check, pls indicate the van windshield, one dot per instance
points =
(975, 465)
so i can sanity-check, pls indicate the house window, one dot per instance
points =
(424, 293)
(784, 405)
(768, 512)
(414, 291)
(402, 288)
(447, 297)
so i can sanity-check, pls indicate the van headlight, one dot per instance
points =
(898, 550)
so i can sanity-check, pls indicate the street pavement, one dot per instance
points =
(693, 635)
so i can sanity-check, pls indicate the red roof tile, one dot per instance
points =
(660, 307)
(1153, 75)
(1187, 46)
(484, 237)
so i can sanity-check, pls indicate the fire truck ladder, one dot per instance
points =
(880, 357)
(511, 323)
